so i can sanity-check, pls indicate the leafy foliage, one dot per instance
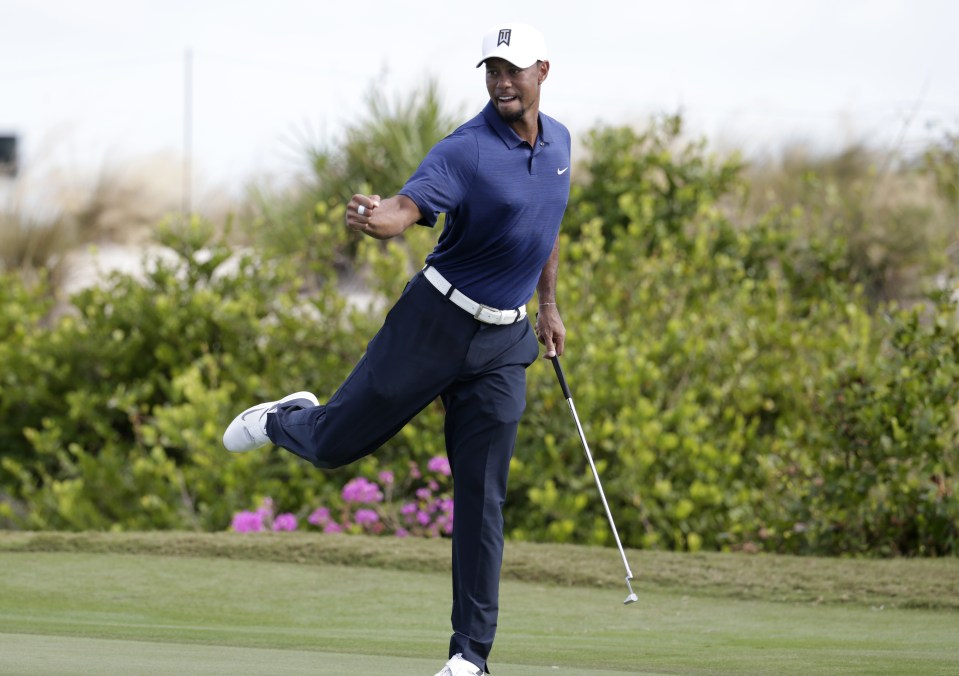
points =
(383, 149)
(739, 388)
(942, 161)
(376, 155)
(653, 175)
(883, 470)
(120, 406)
(892, 230)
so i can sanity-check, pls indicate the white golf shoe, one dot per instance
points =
(248, 430)
(457, 666)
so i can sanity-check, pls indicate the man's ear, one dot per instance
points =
(543, 71)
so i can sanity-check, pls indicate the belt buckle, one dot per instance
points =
(479, 310)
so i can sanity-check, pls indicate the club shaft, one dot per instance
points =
(599, 485)
(592, 465)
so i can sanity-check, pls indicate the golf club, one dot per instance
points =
(632, 598)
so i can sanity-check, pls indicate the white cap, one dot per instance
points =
(519, 43)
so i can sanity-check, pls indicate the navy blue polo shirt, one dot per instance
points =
(503, 201)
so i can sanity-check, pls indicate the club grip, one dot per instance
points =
(562, 378)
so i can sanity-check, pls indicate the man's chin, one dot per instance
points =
(510, 114)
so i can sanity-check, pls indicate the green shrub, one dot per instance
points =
(892, 218)
(883, 472)
(737, 392)
(121, 406)
(654, 174)
(684, 366)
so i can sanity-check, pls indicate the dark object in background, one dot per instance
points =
(8, 155)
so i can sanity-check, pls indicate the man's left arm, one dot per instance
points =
(549, 325)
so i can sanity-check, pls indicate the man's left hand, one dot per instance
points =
(550, 330)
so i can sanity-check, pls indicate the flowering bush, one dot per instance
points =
(422, 506)
(263, 518)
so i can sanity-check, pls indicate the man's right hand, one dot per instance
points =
(381, 219)
(360, 210)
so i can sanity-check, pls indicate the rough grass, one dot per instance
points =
(119, 613)
(892, 583)
(298, 603)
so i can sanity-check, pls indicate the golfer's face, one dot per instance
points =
(512, 90)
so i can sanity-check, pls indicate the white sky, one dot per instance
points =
(90, 82)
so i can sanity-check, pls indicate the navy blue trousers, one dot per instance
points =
(429, 348)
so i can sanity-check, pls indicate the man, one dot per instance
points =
(459, 330)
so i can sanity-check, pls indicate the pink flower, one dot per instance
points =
(424, 494)
(408, 508)
(386, 477)
(247, 522)
(266, 509)
(439, 464)
(402, 533)
(423, 518)
(319, 517)
(332, 527)
(362, 491)
(285, 522)
(366, 516)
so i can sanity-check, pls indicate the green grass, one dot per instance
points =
(294, 603)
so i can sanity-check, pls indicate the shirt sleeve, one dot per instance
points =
(443, 178)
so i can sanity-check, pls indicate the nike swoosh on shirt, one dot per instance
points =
(560, 172)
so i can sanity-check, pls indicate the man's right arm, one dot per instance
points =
(381, 219)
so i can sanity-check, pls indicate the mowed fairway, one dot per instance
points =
(85, 613)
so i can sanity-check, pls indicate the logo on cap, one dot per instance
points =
(504, 36)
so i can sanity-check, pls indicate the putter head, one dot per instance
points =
(632, 598)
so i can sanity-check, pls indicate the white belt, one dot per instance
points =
(487, 315)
